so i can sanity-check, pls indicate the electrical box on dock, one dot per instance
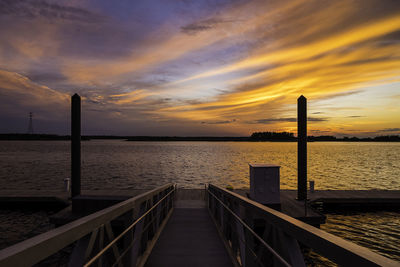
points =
(265, 184)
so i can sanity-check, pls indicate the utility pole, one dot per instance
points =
(30, 127)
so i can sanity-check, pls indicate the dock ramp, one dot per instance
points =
(167, 226)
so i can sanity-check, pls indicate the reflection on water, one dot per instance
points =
(119, 164)
(18, 225)
(379, 231)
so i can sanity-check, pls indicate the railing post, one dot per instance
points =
(140, 209)
(75, 145)
(301, 148)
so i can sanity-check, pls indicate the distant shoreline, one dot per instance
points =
(54, 137)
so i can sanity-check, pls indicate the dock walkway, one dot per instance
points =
(167, 226)
(189, 239)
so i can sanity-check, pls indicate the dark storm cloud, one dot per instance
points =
(41, 9)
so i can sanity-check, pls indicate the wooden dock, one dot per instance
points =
(189, 239)
(357, 199)
(294, 208)
(367, 197)
(362, 200)
(167, 226)
(94, 200)
(36, 199)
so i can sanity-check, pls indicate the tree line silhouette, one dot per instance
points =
(254, 137)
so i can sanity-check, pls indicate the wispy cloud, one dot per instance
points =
(160, 62)
(218, 122)
(30, 9)
(274, 120)
(340, 94)
(203, 25)
(388, 130)
(20, 95)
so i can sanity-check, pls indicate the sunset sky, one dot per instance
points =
(195, 67)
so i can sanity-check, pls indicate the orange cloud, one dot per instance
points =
(20, 94)
(244, 64)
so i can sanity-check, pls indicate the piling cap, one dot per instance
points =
(76, 95)
(263, 165)
(302, 97)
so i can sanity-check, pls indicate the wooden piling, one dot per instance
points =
(75, 145)
(301, 148)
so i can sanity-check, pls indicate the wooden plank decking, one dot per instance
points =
(189, 239)
(351, 198)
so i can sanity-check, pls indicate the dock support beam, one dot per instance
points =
(301, 148)
(75, 145)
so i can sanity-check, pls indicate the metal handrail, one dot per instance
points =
(98, 255)
(35, 249)
(282, 260)
(334, 248)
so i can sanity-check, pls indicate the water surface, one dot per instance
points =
(116, 164)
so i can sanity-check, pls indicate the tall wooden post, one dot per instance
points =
(301, 148)
(75, 145)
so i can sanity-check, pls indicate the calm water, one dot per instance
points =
(120, 164)
(378, 231)
(115, 164)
